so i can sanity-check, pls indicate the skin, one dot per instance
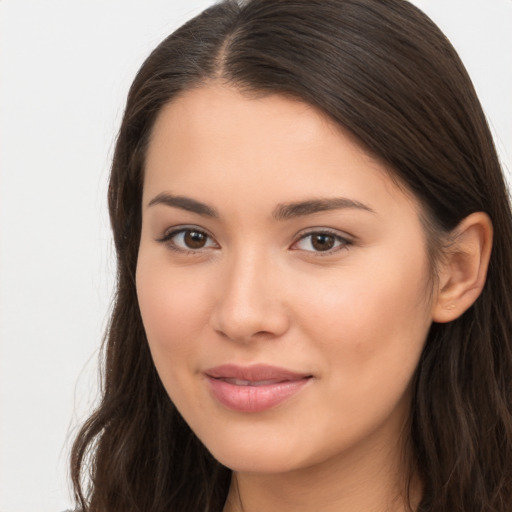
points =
(355, 317)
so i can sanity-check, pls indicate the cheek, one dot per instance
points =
(371, 322)
(172, 311)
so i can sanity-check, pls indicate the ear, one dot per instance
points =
(463, 270)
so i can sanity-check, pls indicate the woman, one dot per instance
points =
(309, 315)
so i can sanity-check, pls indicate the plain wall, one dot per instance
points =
(65, 69)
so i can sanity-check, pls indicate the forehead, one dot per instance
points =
(268, 149)
(217, 115)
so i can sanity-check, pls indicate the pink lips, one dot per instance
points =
(253, 388)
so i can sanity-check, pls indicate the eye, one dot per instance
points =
(321, 241)
(188, 239)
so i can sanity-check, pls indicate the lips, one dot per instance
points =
(254, 388)
(239, 382)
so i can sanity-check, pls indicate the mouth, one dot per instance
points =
(254, 388)
(239, 382)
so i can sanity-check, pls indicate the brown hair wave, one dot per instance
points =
(386, 73)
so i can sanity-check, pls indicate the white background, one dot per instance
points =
(65, 68)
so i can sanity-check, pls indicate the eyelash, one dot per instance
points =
(344, 242)
(167, 239)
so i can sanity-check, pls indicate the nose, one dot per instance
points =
(249, 304)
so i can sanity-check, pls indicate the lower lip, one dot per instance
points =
(254, 398)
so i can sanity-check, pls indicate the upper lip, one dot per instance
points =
(254, 373)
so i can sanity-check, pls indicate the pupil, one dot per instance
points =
(195, 239)
(323, 242)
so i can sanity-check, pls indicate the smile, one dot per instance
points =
(254, 388)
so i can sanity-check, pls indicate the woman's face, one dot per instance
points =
(283, 282)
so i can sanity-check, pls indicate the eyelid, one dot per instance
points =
(171, 232)
(346, 239)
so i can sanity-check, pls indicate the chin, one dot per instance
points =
(263, 463)
(255, 457)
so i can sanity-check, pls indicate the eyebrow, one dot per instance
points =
(302, 208)
(282, 211)
(185, 203)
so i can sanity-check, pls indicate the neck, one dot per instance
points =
(349, 483)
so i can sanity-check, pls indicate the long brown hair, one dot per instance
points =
(386, 73)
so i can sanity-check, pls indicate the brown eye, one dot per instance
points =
(194, 239)
(189, 239)
(322, 241)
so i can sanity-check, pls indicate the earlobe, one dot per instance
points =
(463, 270)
